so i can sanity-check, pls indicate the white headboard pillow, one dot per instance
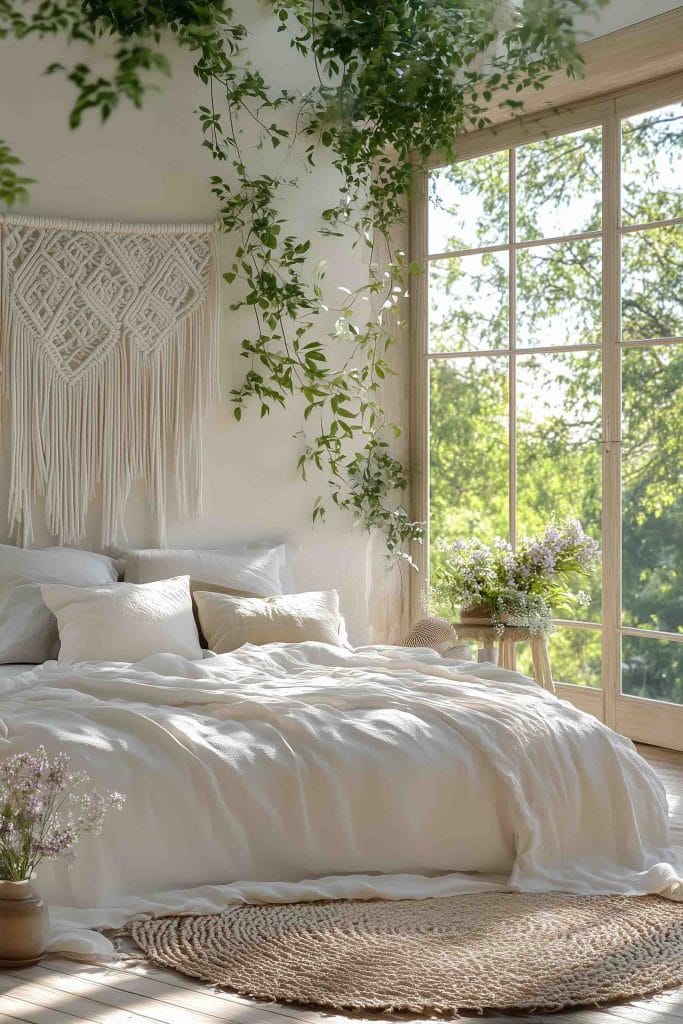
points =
(258, 571)
(124, 621)
(28, 629)
(229, 622)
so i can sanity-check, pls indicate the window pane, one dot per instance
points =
(559, 290)
(558, 452)
(468, 204)
(652, 165)
(575, 657)
(559, 185)
(652, 668)
(652, 482)
(652, 271)
(468, 450)
(468, 303)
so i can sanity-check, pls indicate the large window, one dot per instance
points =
(553, 372)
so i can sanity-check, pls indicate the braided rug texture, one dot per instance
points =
(492, 951)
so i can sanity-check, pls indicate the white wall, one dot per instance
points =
(150, 164)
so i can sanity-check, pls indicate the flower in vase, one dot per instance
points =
(520, 586)
(44, 811)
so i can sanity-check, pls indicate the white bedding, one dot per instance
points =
(249, 773)
(8, 677)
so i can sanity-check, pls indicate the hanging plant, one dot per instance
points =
(395, 81)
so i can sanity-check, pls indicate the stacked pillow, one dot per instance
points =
(228, 622)
(240, 571)
(124, 621)
(261, 571)
(241, 596)
(28, 629)
(67, 603)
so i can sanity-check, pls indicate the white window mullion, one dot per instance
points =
(512, 359)
(419, 392)
(611, 417)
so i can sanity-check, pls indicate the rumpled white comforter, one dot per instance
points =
(295, 772)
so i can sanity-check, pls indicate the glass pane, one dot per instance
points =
(652, 165)
(652, 668)
(559, 291)
(468, 204)
(468, 424)
(559, 185)
(558, 452)
(468, 303)
(575, 657)
(652, 272)
(652, 482)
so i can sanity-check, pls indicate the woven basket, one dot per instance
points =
(433, 632)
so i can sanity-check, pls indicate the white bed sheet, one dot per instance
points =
(302, 771)
(8, 677)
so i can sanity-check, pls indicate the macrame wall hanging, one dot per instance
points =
(109, 351)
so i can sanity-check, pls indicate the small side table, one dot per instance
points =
(506, 641)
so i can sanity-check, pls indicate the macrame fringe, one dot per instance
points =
(134, 415)
(106, 227)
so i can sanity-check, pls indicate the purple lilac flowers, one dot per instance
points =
(44, 811)
(519, 586)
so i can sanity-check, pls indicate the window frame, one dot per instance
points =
(643, 719)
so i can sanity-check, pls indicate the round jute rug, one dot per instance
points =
(493, 951)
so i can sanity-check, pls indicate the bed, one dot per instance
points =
(8, 677)
(302, 771)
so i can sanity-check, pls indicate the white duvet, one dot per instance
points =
(303, 771)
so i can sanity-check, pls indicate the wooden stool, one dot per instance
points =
(506, 641)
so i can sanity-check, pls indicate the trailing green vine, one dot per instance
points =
(394, 81)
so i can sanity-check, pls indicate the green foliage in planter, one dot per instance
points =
(395, 81)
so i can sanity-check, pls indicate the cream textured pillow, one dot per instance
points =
(212, 588)
(125, 621)
(228, 622)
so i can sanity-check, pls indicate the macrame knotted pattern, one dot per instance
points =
(109, 358)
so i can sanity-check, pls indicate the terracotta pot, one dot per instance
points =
(477, 614)
(24, 924)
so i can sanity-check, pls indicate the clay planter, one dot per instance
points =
(477, 615)
(24, 924)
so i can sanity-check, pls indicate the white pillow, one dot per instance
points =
(28, 629)
(125, 621)
(228, 622)
(261, 571)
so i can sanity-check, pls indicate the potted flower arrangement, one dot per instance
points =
(44, 809)
(498, 585)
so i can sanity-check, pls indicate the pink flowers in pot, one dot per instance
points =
(44, 810)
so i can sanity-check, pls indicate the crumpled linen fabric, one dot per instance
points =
(307, 771)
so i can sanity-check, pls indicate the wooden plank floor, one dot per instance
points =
(59, 991)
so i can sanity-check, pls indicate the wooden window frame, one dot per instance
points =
(645, 720)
